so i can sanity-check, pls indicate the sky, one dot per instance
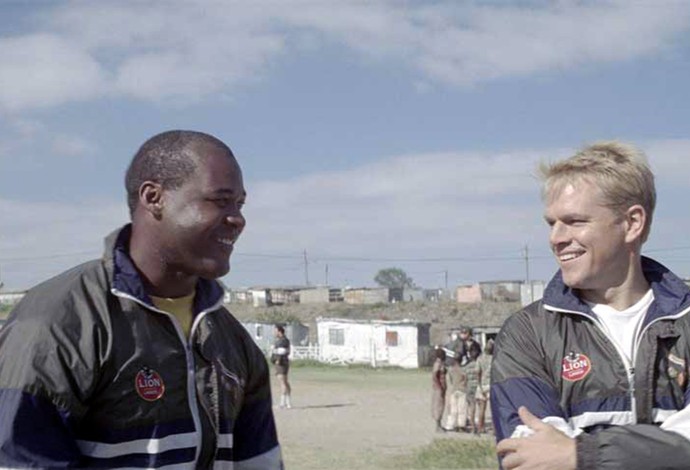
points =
(370, 134)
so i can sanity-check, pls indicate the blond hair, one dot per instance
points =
(618, 169)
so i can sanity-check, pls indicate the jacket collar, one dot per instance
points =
(126, 279)
(671, 294)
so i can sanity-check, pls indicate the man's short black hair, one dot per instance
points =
(165, 159)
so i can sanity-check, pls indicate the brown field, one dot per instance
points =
(356, 418)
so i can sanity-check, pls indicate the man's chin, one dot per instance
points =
(572, 282)
(215, 271)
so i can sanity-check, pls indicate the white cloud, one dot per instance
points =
(450, 205)
(42, 70)
(40, 239)
(192, 50)
(416, 202)
(72, 146)
(463, 45)
(17, 134)
(667, 158)
(187, 51)
(444, 206)
(503, 42)
(34, 142)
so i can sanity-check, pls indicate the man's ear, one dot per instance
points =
(151, 198)
(635, 219)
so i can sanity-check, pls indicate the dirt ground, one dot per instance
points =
(355, 418)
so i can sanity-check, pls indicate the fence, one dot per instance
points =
(304, 352)
(346, 356)
(343, 356)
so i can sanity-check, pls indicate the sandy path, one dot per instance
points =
(354, 418)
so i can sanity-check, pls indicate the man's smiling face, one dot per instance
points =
(202, 219)
(587, 237)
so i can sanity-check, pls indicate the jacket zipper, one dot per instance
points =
(211, 419)
(189, 358)
(629, 368)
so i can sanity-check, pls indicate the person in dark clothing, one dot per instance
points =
(280, 358)
(457, 347)
(131, 360)
(467, 344)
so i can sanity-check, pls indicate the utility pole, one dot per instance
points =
(306, 268)
(527, 279)
(326, 274)
(445, 278)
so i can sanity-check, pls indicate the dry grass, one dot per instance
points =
(362, 419)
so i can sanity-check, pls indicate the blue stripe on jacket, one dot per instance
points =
(33, 432)
(507, 396)
(156, 431)
(254, 432)
(601, 405)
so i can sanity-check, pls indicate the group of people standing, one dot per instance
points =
(460, 384)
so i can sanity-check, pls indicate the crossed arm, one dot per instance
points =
(547, 448)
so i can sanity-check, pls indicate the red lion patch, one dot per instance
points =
(575, 366)
(149, 384)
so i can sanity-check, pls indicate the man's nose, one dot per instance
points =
(236, 218)
(558, 234)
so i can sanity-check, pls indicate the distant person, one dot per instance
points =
(468, 342)
(484, 387)
(453, 349)
(456, 397)
(131, 360)
(280, 358)
(472, 372)
(438, 387)
(595, 374)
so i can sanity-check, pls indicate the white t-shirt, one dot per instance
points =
(623, 326)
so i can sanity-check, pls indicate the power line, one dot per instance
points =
(61, 255)
(676, 248)
(328, 259)
(302, 257)
(263, 255)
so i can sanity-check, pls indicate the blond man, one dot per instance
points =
(594, 375)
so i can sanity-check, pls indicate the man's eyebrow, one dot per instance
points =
(568, 216)
(228, 191)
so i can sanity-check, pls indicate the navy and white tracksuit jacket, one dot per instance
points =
(555, 358)
(92, 375)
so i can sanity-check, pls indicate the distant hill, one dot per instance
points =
(442, 315)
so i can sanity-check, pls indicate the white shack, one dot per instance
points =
(402, 343)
